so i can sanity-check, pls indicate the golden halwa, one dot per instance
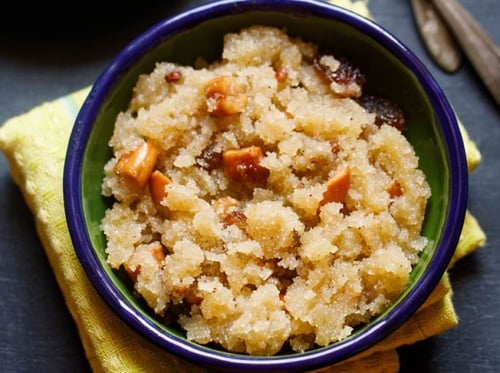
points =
(263, 199)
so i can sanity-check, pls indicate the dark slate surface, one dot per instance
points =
(44, 56)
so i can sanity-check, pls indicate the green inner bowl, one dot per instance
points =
(385, 76)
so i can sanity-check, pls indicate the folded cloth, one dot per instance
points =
(357, 6)
(35, 145)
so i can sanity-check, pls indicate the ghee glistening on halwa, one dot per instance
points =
(263, 200)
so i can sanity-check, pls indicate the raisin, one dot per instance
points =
(386, 110)
(243, 165)
(345, 74)
(210, 159)
(173, 76)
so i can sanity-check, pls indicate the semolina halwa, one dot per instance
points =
(264, 199)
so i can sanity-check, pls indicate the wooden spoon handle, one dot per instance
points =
(481, 50)
(436, 37)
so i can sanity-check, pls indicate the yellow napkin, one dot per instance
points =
(35, 144)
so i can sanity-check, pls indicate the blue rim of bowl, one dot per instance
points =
(294, 362)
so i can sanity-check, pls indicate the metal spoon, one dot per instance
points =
(480, 49)
(436, 37)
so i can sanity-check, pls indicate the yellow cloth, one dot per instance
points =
(357, 6)
(35, 144)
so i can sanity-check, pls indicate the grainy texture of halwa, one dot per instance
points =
(263, 199)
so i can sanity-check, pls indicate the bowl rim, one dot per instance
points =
(301, 361)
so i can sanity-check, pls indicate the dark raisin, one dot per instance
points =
(243, 165)
(346, 74)
(247, 172)
(210, 159)
(386, 110)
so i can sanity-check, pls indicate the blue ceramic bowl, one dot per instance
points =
(392, 71)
